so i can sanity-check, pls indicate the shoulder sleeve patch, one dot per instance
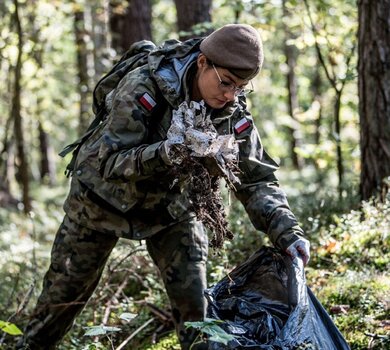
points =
(242, 125)
(147, 101)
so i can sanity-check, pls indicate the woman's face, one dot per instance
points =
(214, 84)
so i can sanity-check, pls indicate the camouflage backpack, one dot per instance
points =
(136, 56)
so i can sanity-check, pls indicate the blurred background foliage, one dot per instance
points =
(300, 125)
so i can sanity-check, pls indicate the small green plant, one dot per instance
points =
(94, 331)
(10, 328)
(95, 346)
(211, 328)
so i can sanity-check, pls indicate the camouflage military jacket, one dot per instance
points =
(122, 183)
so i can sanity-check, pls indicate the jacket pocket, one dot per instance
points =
(121, 196)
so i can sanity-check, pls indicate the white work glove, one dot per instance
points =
(174, 145)
(192, 131)
(300, 248)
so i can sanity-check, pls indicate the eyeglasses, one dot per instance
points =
(226, 86)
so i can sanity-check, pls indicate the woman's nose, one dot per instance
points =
(230, 95)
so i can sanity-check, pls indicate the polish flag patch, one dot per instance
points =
(242, 125)
(147, 101)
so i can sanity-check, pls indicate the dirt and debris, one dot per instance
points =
(206, 158)
(206, 199)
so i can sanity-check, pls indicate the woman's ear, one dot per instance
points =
(201, 61)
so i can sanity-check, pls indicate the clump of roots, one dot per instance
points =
(206, 199)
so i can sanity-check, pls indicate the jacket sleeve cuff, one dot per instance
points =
(154, 159)
(285, 239)
(164, 151)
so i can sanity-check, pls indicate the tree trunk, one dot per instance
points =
(47, 170)
(6, 198)
(102, 39)
(374, 97)
(340, 166)
(83, 69)
(130, 23)
(291, 54)
(190, 13)
(338, 86)
(18, 124)
(316, 87)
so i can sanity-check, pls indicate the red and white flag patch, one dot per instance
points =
(147, 101)
(242, 125)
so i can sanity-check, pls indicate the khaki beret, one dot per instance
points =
(237, 47)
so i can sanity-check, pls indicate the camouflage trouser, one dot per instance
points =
(180, 252)
(77, 261)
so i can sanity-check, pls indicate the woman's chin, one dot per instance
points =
(216, 103)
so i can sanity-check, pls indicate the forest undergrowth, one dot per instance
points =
(348, 273)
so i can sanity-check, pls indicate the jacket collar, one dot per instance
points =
(170, 64)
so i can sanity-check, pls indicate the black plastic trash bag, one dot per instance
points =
(265, 304)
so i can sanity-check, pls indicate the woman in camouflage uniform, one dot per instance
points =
(122, 187)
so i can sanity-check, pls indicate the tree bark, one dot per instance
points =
(316, 87)
(130, 23)
(374, 97)
(190, 13)
(340, 164)
(6, 198)
(291, 54)
(47, 170)
(102, 39)
(18, 124)
(83, 68)
(338, 86)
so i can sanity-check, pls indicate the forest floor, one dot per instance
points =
(348, 273)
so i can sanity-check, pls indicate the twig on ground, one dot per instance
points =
(109, 303)
(132, 335)
(120, 262)
(371, 343)
(164, 316)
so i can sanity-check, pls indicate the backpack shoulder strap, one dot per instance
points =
(75, 146)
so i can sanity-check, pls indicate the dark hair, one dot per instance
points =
(211, 63)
